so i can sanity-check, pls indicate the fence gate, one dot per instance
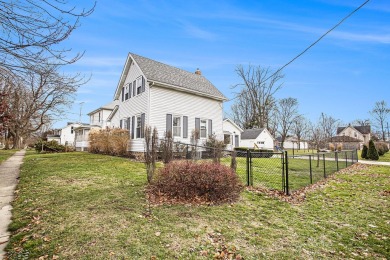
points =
(267, 169)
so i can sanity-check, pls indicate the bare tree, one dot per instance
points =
(300, 128)
(316, 136)
(380, 113)
(255, 99)
(37, 97)
(361, 122)
(328, 125)
(31, 31)
(287, 115)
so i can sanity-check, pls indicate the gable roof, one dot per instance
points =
(251, 133)
(109, 106)
(363, 129)
(167, 75)
(234, 124)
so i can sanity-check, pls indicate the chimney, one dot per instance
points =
(198, 72)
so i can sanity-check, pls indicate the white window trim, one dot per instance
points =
(180, 126)
(136, 126)
(200, 128)
(139, 85)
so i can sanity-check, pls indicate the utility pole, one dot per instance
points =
(388, 133)
(81, 106)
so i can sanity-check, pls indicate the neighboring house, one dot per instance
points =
(346, 142)
(352, 137)
(150, 93)
(291, 142)
(363, 133)
(257, 138)
(56, 138)
(232, 134)
(82, 136)
(67, 135)
(103, 115)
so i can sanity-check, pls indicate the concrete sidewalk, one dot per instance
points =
(374, 162)
(9, 173)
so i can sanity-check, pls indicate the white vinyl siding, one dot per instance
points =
(136, 105)
(189, 105)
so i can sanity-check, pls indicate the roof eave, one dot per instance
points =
(166, 85)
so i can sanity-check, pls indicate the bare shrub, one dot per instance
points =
(195, 135)
(382, 147)
(233, 163)
(109, 141)
(188, 181)
(151, 142)
(339, 147)
(166, 147)
(331, 147)
(216, 146)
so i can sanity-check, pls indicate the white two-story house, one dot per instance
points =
(151, 93)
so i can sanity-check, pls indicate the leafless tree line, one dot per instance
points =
(33, 91)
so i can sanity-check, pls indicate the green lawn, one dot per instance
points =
(84, 206)
(384, 158)
(268, 172)
(5, 154)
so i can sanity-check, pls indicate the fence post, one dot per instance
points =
(283, 172)
(323, 158)
(247, 168)
(251, 169)
(286, 163)
(346, 159)
(336, 156)
(311, 171)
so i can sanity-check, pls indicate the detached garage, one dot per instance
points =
(259, 138)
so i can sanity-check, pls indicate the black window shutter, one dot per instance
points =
(210, 127)
(143, 125)
(197, 126)
(123, 94)
(120, 123)
(185, 126)
(130, 85)
(169, 123)
(143, 84)
(132, 127)
(128, 123)
(134, 88)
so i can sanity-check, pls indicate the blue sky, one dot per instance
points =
(343, 75)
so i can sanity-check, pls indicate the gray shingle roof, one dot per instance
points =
(251, 133)
(363, 129)
(160, 72)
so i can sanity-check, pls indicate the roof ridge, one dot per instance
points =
(164, 64)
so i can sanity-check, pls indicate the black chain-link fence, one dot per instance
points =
(273, 170)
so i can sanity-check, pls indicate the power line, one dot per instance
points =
(314, 43)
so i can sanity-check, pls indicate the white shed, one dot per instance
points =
(259, 138)
(232, 134)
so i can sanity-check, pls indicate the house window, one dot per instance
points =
(71, 129)
(227, 138)
(176, 126)
(260, 142)
(138, 127)
(139, 85)
(99, 117)
(127, 93)
(203, 128)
